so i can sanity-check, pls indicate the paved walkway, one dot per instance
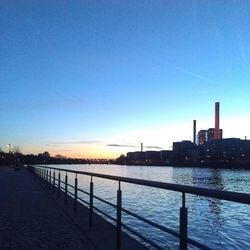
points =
(31, 219)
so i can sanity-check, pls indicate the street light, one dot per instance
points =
(9, 146)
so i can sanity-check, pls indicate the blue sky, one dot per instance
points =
(78, 75)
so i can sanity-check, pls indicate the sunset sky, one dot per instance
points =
(94, 79)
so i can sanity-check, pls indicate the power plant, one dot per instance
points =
(207, 148)
(210, 134)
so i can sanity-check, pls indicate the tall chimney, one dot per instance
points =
(141, 147)
(194, 131)
(217, 121)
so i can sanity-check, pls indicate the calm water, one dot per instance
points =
(219, 224)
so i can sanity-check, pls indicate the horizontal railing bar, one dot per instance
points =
(197, 244)
(167, 230)
(142, 237)
(218, 194)
(107, 202)
(83, 200)
(71, 185)
(83, 191)
(100, 211)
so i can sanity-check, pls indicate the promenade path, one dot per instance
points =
(31, 219)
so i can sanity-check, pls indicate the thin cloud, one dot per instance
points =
(153, 147)
(50, 145)
(132, 146)
(120, 145)
(77, 142)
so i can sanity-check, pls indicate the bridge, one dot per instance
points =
(41, 209)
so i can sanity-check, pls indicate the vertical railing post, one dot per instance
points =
(66, 189)
(91, 192)
(47, 177)
(59, 185)
(183, 224)
(119, 217)
(50, 179)
(54, 181)
(75, 198)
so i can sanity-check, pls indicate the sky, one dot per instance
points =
(94, 79)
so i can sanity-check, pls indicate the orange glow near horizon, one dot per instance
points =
(78, 151)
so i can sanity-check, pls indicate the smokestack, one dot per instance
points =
(141, 147)
(194, 131)
(217, 121)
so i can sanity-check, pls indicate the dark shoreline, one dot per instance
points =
(213, 166)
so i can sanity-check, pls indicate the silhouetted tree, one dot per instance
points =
(121, 159)
(60, 156)
(46, 154)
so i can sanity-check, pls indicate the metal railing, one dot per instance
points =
(46, 174)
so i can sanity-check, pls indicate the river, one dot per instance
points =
(216, 223)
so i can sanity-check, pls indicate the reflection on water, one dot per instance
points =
(219, 224)
(213, 181)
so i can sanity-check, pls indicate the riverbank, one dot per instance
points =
(191, 165)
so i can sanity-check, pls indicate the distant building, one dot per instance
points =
(205, 136)
(202, 137)
(153, 156)
(166, 156)
(131, 156)
(182, 147)
(139, 156)
(148, 157)
(228, 150)
(136, 157)
(183, 151)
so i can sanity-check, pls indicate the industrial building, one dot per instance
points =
(208, 147)
(206, 136)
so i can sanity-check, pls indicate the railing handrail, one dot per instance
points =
(212, 193)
